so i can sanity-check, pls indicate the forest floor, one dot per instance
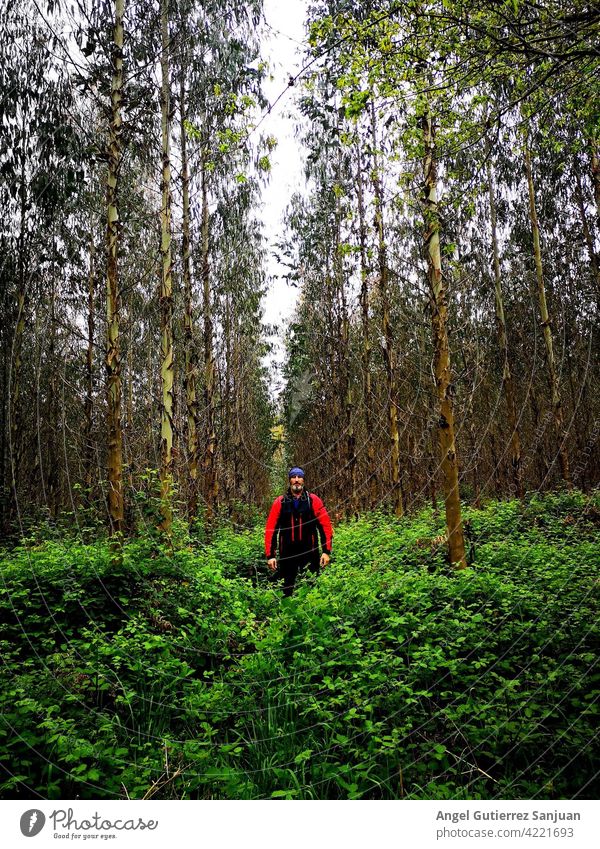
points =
(182, 673)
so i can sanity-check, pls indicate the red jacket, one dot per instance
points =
(297, 529)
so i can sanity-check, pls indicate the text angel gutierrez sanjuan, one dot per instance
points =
(498, 816)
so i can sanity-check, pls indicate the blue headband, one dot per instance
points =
(296, 471)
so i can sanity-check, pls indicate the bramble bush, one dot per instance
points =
(183, 673)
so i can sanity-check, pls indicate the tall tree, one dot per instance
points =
(166, 283)
(191, 367)
(386, 329)
(113, 352)
(546, 329)
(442, 366)
(507, 377)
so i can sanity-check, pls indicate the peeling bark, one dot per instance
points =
(442, 369)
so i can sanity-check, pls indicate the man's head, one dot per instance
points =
(296, 479)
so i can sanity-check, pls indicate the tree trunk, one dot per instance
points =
(595, 163)
(16, 360)
(15, 413)
(386, 328)
(128, 446)
(226, 394)
(4, 424)
(587, 234)
(113, 355)
(38, 479)
(191, 365)
(507, 379)
(240, 468)
(347, 500)
(442, 370)
(89, 372)
(366, 339)
(52, 482)
(166, 288)
(552, 378)
(209, 464)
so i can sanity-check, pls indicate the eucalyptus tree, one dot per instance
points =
(311, 405)
(166, 281)
(110, 71)
(238, 264)
(547, 332)
(389, 353)
(191, 354)
(113, 352)
(442, 364)
(507, 374)
(41, 170)
(363, 70)
(217, 64)
(366, 344)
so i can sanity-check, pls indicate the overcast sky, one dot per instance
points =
(282, 49)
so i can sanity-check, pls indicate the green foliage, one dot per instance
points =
(184, 674)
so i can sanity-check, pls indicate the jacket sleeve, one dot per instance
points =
(271, 528)
(323, 523)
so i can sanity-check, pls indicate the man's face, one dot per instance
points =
(296, 484)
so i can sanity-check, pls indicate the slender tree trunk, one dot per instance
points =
(442, 369)
(540, 422)
(16, 360)
(552, 378)
(238, 416)
(587, 234)
(347, 499)
(129, 447)
(151, 394)
(432, 474)
(191, 364)
(89, 371)
(366, 338)
(113, 354)
(209, 463)
(386, 327)
(52, 411)
(507, 379)
(595, 164)
(166, 288)
(226, 394)
(349, 410)
(332, 400)
(15, 413)
(38, 478)
(4, 424)
(475, 460)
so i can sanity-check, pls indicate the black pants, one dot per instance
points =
(290, 565)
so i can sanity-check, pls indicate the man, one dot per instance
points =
(297, 520)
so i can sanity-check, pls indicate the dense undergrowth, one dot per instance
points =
(183, 674)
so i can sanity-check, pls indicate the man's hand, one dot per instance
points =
(325, 560)
(272, 563)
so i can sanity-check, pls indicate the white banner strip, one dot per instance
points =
(310, 824)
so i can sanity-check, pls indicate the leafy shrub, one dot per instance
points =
(184, 674)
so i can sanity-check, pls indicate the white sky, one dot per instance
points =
(282, 49)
